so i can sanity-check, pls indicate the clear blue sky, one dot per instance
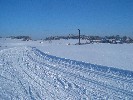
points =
(40, 18)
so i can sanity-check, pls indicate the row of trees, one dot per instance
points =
(105, 39)
(24, 38)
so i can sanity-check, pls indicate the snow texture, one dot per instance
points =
(26, 73)
(113, 55)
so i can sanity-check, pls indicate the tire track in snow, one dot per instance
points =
(77, 78)
(11, 73)
(95, 82)
(89, 80)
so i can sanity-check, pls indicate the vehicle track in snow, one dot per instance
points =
(107, 85)
(28, 73)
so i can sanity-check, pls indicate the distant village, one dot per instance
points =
(89, 39)
(96, 39)
(23, 38)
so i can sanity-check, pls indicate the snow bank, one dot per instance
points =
(112, 55)
(28, 73)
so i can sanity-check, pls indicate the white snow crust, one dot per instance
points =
(36, 70)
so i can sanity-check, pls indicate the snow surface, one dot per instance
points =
(31, 71)
(112, 55)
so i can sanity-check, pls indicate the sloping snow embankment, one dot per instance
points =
(28, 73)
(113, 55)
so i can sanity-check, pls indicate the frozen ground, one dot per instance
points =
(28, 71)
(113, 55)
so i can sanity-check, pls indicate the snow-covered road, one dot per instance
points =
(26, 73)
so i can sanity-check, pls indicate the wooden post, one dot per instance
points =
(79, 36)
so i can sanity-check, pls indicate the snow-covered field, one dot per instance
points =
(44, 71)
(112, 55)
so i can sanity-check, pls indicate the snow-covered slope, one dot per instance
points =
(113, 55)
(26, 73)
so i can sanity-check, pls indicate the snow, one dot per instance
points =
(115, 55)
(112, 55)
(43, 70)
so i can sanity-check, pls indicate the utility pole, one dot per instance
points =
(79, 36)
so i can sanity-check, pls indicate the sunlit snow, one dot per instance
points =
(36, 70)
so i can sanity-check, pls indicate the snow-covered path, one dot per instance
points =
(26, 73)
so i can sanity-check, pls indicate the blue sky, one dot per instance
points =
(41, 18)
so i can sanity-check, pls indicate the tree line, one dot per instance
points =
(104, 39)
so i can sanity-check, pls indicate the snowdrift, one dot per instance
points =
(28, 73)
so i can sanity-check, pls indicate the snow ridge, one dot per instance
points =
(28, 73)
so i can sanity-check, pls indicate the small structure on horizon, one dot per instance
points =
(79, 36)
